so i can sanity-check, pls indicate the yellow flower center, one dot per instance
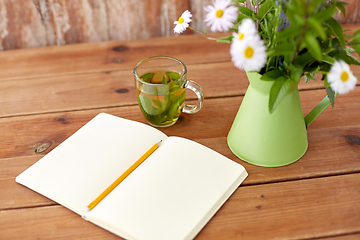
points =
(219, 13)
(344, 76)
(241, 36)
(249, 52)
(181, 20)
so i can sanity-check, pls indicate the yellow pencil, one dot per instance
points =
(123, 176)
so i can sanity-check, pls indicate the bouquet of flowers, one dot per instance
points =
(285, 40)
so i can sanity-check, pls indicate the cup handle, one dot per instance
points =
(193, 86)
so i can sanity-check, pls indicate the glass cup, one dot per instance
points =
(161, 85)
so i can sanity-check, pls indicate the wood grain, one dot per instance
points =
(34, 81)
(113, 89)
(257, 212)
(24, 132)
(39, 23)
(333, 145)
(112, 56)
(313, 206)
(106, 56)
(47, 94)
(354, 236)
(50, 222)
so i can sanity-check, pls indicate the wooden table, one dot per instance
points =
(47, 94)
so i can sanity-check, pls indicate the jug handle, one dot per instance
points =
(310, 117)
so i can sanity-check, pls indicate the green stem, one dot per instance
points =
(256, 12)
(195, 30)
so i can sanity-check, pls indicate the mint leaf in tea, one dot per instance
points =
(160, 77)
(147, 77)
(161, 103)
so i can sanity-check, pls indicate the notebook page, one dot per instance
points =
(83, 166)
(171, 195)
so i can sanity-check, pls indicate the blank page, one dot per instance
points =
(171, 195)
(83, 166)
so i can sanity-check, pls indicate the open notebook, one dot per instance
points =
(171, 195)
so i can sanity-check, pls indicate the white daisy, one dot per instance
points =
(183, 22)
(340, 77)
(249, 54)
(246, 29)
(221, 16)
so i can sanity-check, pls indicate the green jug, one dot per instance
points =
(270, 139)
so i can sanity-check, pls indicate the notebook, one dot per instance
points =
(171, 195)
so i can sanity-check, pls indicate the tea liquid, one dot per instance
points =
(162, 102)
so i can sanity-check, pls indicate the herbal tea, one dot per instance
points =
(160, 77)
(162, 99)
(161, 94)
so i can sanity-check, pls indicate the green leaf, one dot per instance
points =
(309, 76)
(159, 104)
(316, 26)
(295, 72)
(313, 45)
(326, 83)
(349, 49)
(163, 81)
(355, 37)
(328, 59)
(173, 75)
(242, 17)
(303, 59)
(347, 57)
(246, 11)
(337, 30)
(315, 3)
(147, 77)
(146, 105)
(264, 8)
(331, 95)
(272, 75)
(353, 59)
(277, 92)
(325, 67)
(340, 6)
(290, 32)
(325, 14)
(281, 49)
(226, 39)
(357, 48)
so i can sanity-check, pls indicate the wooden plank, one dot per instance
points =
(48, 23)
(51, 222)
(355, 236)
(111, 89)
(304, 209)
(292, 210)
(105, 89)
(111, 56)
(107, 56)
(143, 19)
(21, 135)
(333, 145)
(10, 193)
